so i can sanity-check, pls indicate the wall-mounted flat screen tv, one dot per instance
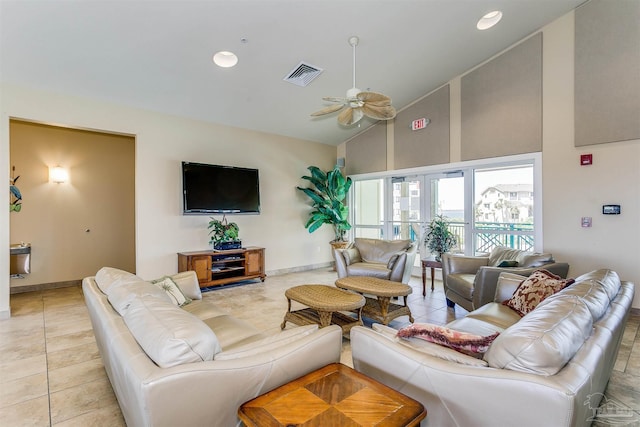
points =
(208, 189)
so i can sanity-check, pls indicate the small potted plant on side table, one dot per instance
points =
(438, 239)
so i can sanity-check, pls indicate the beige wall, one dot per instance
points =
(76, 227)
(162, 142)
(571, 191)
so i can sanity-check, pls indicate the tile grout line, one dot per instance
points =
(46, 361)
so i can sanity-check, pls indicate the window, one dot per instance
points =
(489, 203)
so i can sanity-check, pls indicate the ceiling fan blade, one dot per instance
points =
(335, 99)
(328, 110)
(350, 116)
(379, 113)
(374, 97)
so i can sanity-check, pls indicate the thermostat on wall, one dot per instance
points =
(611, 209)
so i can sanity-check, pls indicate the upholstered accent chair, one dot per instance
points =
(470, 281)
(384, 259)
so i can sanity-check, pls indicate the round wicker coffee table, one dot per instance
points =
(324, 306)
(379, 308)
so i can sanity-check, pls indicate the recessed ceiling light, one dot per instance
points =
(225, 59)
(489, 20)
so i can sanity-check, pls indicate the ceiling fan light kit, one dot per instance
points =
(358, 104)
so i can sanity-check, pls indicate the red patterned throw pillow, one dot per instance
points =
(473, 345)
(535, 289)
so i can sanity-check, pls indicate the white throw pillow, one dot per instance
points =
(173, 290)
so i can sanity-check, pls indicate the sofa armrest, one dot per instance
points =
(341, 263)
(401, 269)
(397, 269)
(459, 264)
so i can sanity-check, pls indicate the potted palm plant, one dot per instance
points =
(438, 238)
(328, 192)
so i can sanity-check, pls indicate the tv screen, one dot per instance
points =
(208, 189)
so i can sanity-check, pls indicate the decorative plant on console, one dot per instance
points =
(222, 232)
(328, 193)
(438, 238)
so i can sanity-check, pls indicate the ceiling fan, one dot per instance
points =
(358, 103)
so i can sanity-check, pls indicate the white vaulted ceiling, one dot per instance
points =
(157, 55)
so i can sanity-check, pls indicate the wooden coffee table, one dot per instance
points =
(379, 308)
(335, 395)
(324, 306)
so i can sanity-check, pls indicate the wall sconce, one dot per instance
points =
(58, 174)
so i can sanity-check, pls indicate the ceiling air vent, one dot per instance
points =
(303, 74)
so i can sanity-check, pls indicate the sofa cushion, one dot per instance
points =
(544, 340)
(507, 285)
(534, 289)
(377, 250)
(232, 331)
(172, 289)
(107, 276)
(169, 335)
(204, 310)
(608, 279)
(351, 256)
(498, 315)
(370, 269)
(594, 290)
(122, 293)
(267, 344)
(428, 348)
(463, 342)
(524, 259)
(503, 253)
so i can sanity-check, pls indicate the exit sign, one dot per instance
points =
(419, 124)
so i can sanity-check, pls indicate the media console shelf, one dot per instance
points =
(215, 268)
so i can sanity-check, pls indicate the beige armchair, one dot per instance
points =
(384, 259)
(471, 282)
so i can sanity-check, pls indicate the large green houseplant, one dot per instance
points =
(328, 192)
(438, 238)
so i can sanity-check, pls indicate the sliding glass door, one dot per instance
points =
(447, 198)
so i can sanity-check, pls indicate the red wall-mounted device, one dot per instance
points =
(586, 159)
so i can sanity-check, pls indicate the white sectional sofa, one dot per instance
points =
(548, 368)
(192, 365)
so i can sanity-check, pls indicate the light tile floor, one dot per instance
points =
(51, 372)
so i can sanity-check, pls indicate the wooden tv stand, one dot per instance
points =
(215, 268)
